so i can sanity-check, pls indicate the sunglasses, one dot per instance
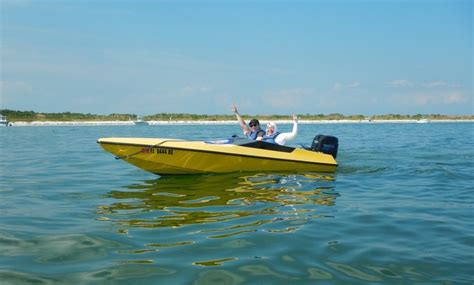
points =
(253, 125)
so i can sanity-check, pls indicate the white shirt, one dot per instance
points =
(282, 138)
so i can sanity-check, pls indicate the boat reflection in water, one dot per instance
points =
(177, 201)
(241, 221)
(267, 228)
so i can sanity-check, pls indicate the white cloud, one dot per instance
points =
(439, 83)
(190, 90)
(436, 83)
(400, 83)
(422, 99)
(454, 98)
(430, 84)
(289, 98)
(339, 86)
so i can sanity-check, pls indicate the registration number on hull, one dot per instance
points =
(157, 150)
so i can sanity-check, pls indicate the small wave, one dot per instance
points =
(347, 169)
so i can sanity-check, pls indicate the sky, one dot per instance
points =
(267, 57)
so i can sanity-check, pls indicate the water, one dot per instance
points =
(399, 210)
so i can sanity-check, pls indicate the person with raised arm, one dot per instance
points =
(253, 130)
(273, 136)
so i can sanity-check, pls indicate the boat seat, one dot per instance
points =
(268, 146)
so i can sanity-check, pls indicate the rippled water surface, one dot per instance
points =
(399, 210)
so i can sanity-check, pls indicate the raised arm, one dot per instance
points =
(242, 123)
(294, 132)
(284, 137)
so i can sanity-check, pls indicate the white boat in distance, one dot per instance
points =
(140, 122)
(4, 122)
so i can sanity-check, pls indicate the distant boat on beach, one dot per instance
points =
(4, 121)
(422, 121)
(140, 122)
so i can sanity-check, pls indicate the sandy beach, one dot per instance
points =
(131, 123)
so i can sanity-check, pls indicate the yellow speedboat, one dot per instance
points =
(173, 156)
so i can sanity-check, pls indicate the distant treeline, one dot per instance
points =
(29, 116)
(231, 117)
(315, 117)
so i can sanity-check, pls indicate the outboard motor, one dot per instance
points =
(325, 144)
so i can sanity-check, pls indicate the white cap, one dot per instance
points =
(271, 123)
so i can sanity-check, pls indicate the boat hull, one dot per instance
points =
(169, 156)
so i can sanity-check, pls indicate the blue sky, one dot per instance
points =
(268, 57)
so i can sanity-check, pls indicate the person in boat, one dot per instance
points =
(273, 136)
(253, 131)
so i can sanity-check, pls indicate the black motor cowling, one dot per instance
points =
(325, 144)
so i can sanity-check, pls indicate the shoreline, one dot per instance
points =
(151, 123)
